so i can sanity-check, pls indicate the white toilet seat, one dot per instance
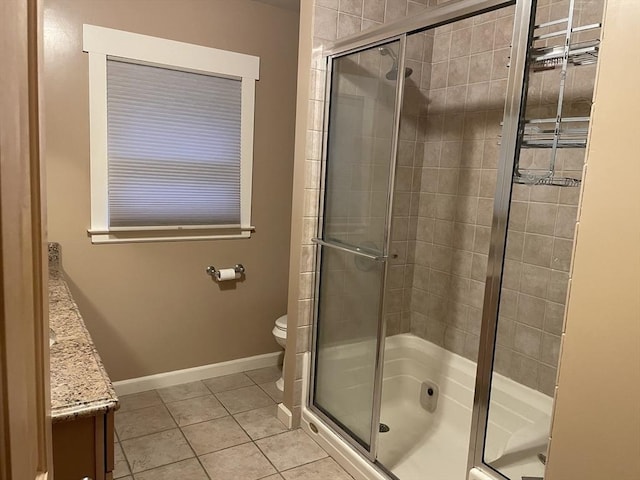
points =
(279, 333)
(281, 323)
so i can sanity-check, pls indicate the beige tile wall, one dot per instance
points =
(406, 195)
(459, 131)
(445, 184)
(468, 83)
(541, 228)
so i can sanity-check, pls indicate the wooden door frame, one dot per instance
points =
(25, 420)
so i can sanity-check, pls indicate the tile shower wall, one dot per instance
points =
(459, 130)
(406, 195)
(542, 224)
(447, 160)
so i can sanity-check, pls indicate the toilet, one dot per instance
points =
(280, 334)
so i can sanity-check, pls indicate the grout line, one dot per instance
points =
(159, 466)
(243, 429)
(313, 461)
(203, 468)
(203, 421)
(231, 389)
(267, 457)
(302, 464)
(268, 394)
(126, 460)
(229, 414)
(194, 453)
(266, 436)
(184, 399)
(148, 434)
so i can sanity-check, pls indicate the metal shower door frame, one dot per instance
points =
(516, 89)
(321, 243)
(513, 125)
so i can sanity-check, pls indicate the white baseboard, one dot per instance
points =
(168, 379)
(285, 416)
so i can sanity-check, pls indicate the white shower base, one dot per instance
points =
(423, 445)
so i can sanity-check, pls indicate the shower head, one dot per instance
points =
(393, 73)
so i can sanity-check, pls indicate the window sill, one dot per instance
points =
(177, 234)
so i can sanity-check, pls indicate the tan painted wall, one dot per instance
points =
(596, 431)
(150, 307)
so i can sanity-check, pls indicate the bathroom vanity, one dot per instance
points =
(83, 400)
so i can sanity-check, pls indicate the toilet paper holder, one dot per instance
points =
(215, 273)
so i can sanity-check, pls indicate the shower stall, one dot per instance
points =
(454, 145)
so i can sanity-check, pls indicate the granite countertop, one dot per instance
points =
(80, 386)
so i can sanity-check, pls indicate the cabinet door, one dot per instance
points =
(74, 449)
(84, 448)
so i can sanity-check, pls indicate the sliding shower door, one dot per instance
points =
(353, 245)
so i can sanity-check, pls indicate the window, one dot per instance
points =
(171, 138)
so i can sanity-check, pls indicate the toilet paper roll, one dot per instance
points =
(225, 274)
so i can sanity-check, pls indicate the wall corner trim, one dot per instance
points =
(285, 416)
(177, 377)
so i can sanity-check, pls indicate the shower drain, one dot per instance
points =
(384, 428)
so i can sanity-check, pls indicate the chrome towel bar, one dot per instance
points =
(350, 249)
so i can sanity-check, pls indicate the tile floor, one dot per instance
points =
(223, 428)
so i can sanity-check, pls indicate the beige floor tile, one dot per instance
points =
(155, 450)
(264, 375)
(186, 469)
(183, 392)
(243, 399)
(196, 410)
(277, 476)
(215, 435)
(228, 382)
(291, 449)
(244, 462)
(261, 422)
(121, 467)
(271, 390)
(320, 470)
(148, 420)
(139, 400)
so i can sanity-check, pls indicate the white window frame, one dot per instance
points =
(102, 43)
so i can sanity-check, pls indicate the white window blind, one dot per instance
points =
(173, 146)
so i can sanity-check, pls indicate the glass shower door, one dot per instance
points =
(353, 244)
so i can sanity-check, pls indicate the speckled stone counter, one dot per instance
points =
(80, 385)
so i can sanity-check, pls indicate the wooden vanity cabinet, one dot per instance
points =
(84, 447)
